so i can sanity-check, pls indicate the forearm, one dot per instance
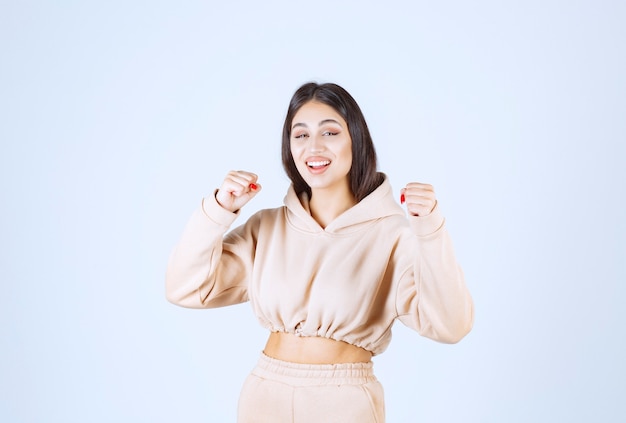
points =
(432, 296)
(445, 305)
(193, 263)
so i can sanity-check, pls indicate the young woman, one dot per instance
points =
(329, 272)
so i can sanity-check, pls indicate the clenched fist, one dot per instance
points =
(238, 188)
(420, 198)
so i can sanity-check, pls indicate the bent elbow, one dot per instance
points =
(190, 300)
(181, 294)
(462, 326)
(456, 334)
(451, 329)
(171, 297)
(174, 297)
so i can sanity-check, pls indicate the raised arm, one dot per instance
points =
(208, 268)
(432, 297)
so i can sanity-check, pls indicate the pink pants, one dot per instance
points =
(282, 392)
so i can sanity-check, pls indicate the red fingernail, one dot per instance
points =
(402, 199)
(253, 187)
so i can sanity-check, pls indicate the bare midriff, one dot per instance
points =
(313, 350)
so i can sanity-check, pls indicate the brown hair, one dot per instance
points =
(363, 175)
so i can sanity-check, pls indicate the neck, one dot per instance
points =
(327, 205)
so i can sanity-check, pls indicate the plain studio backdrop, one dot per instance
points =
(117, 117)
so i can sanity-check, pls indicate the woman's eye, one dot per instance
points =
(300, 136)
(329, 133)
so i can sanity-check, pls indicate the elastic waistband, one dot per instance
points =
(297, 374)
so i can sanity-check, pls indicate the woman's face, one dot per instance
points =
(321, 147)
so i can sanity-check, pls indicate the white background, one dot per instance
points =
(117, 117)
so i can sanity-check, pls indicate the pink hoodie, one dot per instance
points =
(348, 281)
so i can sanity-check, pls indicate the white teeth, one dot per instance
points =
(321, 163)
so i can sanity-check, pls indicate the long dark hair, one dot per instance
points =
(363, 175)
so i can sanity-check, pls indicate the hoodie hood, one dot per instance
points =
(377, 205)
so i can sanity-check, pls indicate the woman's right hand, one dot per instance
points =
(238, 188)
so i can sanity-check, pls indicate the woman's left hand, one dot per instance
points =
(420, 198)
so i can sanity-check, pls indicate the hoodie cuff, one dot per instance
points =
(212, 209)
(427, 225)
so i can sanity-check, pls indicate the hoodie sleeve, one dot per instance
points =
(432, 297)
(209, 268)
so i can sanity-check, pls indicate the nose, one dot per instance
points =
(316, 144)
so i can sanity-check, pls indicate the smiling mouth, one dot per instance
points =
(319, 164)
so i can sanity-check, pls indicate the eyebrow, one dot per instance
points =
(304, 125)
